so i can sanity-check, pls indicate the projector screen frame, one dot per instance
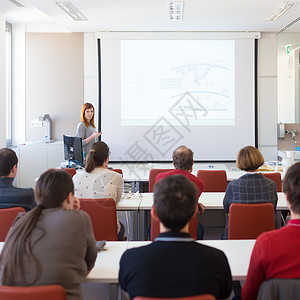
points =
(186, 35)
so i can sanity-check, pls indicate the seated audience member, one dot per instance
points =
(183, 162)
(175, 265)
(53, 243)
(276, 253)
(11, 196)
(97, 181)
(252, 187)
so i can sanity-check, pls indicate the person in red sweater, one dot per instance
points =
(276, 253)
(183, 161)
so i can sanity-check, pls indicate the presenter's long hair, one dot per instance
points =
(52, 188)
(82, 115)
(97, 156)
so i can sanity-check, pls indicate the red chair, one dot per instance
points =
(70, 171)
(214, 180)
(45, 292)
(103, 215)
(152, 176)
(248, 221)
(198, 297)
(118, 171)
(7, 217)
(275, 177)
(155, 228)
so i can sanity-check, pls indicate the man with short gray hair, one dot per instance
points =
(183, 161)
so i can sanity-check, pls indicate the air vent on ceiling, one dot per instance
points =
(175, 10)
(288, 25)
(16, 3)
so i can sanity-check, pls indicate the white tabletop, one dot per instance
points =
(106, 269)
(238, 253)
(130, 201)
(210, 200)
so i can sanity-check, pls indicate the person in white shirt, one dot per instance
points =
(97, 181)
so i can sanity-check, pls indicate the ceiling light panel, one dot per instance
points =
(16, 3)
(71, 10)
(279, 11)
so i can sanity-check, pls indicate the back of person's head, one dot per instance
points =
(52, 188)
(86, 106)
(8, 159)
(249, 159)
(175, 201)
(291, 187)
(183, 158)
(97, 156)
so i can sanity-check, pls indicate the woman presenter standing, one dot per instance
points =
(86, 128)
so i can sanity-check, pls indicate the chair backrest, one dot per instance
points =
(7, 217)
(118, 171)
(155, 228)
(275, 177)
(279, 289)
(214, 180)
(103, 215)
(70, 171)
(152, 175)
(198, 297)
(46, 292)
(248, 221)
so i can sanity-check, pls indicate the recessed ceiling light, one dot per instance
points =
(279, 11)
(175, 10)
(16, 3)
(71, 10)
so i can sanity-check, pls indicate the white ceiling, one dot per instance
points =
(152, 15)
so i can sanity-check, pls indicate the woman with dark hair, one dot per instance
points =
(97, 181)
(53, 243)
(86, 128)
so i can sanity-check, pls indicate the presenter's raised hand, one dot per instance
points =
(96, 134)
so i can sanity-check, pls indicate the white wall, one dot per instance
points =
(18, 83)
(67, 109)
(54, 82)
(267, 96)
(2, 81)
(288, 78)
(286, 88)
(91, 72)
